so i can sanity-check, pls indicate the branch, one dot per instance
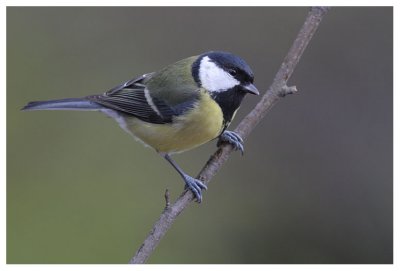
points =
(277, 90)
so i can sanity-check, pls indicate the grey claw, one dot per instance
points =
(241, 149)
(195, 186)
(232, 138)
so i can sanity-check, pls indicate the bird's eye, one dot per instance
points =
(232, 72)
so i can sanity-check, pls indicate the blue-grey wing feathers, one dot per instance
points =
(138, 81)
(133, 101)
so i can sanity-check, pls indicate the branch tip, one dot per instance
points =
(167, 202)
(322, 9)
(286, 90)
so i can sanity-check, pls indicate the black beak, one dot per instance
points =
(250, 88)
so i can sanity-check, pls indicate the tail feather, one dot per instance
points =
(63, 104)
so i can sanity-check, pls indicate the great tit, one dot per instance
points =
(182, 106)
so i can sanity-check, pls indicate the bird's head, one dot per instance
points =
(218, 72)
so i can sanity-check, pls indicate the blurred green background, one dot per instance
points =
(314, 185)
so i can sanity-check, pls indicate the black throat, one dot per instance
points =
(229, 101)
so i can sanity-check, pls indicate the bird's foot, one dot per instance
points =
(232, 138)
(195, 186)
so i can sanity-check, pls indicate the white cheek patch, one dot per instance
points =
(213, 78)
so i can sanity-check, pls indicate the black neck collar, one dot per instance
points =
(229, 101)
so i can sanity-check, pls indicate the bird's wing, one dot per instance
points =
(134, 99)
(133, 83)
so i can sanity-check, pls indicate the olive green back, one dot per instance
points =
(174, 84)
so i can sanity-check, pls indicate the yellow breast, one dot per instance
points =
(196, 127)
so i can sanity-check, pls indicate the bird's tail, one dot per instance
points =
(63, 104)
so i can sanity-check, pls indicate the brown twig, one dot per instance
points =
(277, 90)
(166, 196)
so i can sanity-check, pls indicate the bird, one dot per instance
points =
(180, 107)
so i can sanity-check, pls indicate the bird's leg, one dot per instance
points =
(193, 184)
(232, 138)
